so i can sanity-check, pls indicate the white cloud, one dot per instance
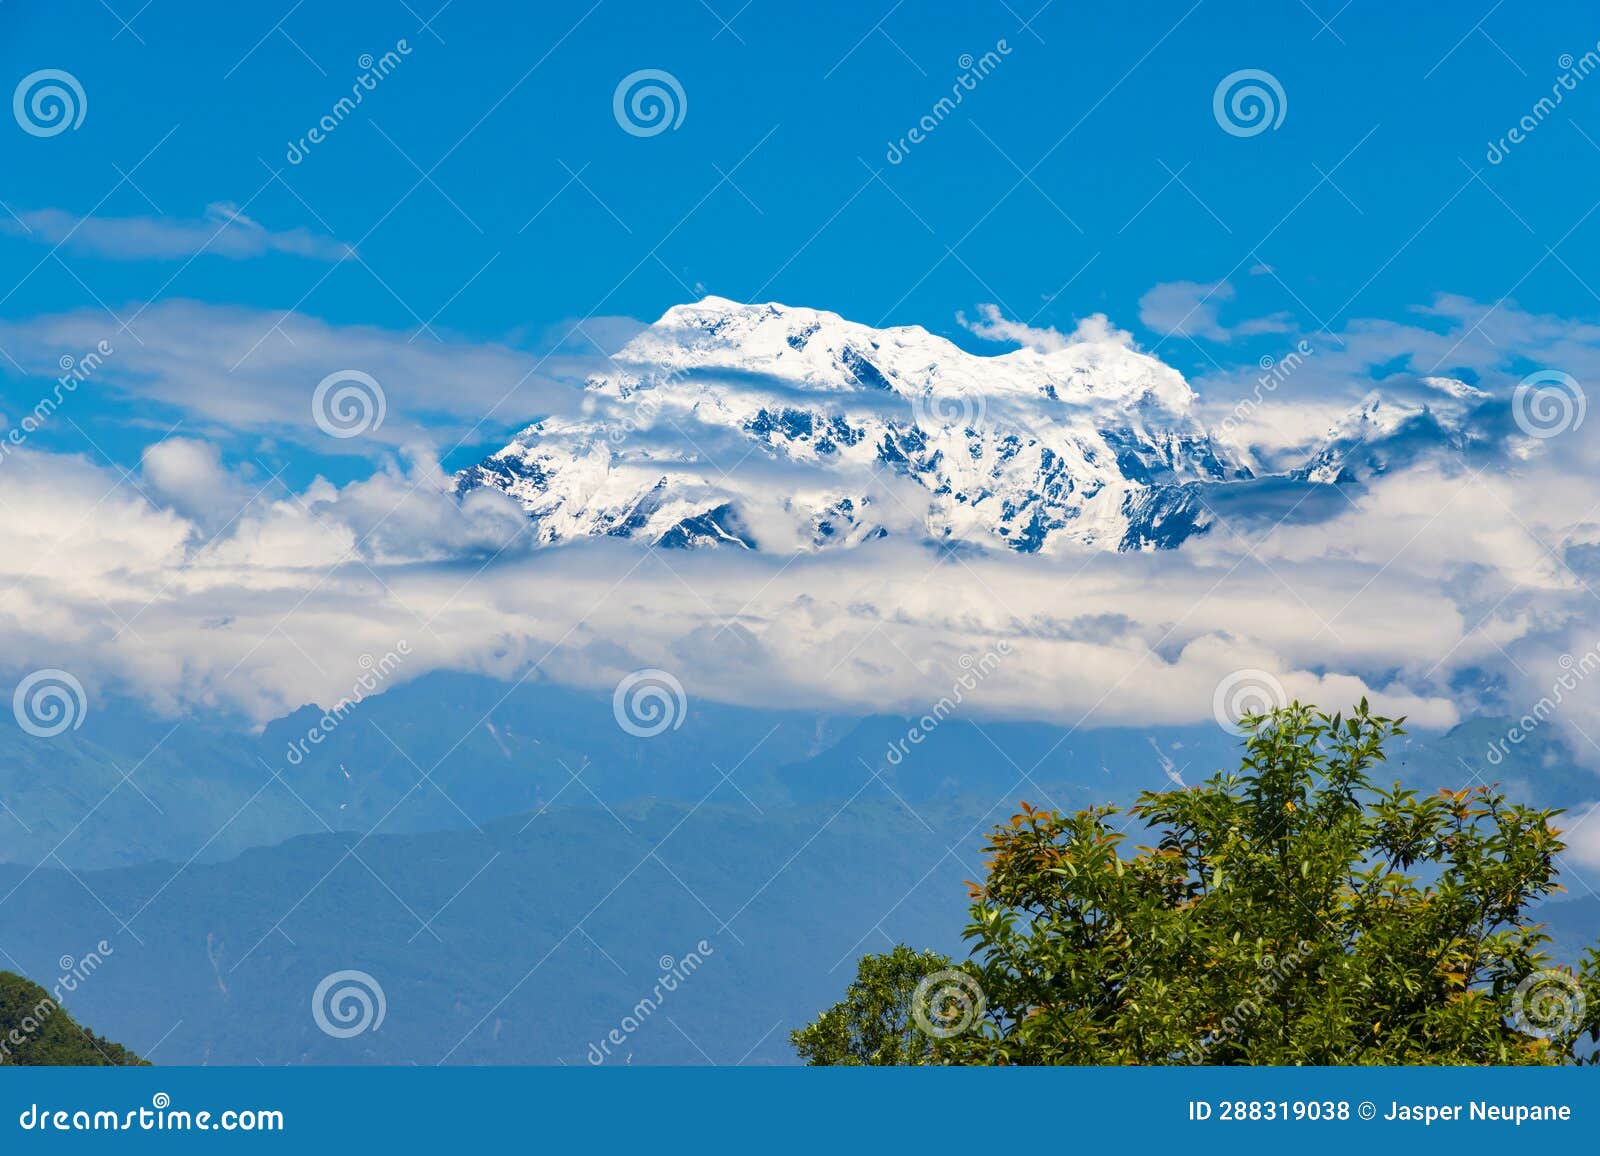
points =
(1580, 829)
(991, 325)
(336, 572)
(1191, 308)
(224, 231)
(1407, 590)
(278, 609)
(189, 476)
(237, 369)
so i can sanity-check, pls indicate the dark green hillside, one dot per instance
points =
(35, 1030)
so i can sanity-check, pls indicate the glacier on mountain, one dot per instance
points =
(790, 430)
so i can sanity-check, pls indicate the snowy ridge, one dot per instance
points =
(789, 429)
(1383, 433)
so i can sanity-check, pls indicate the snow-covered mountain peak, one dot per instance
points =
(781, 428)
(819, 349)
(1388, 430)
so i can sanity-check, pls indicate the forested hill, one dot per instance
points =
(35, 1030)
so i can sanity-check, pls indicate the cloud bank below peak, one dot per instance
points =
(1440, 586)
(275, 606)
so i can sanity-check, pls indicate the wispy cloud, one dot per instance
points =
(1192, 308)
(223, 231)
(244, 371)
(992, 325)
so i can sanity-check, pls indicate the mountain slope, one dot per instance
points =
(529, 941)
(492, 749)
(36, 1031)
(544, 932)
(1387, 433)
(786, 429)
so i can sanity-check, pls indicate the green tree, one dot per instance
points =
(1288, 913)
(36, 1030)
(875, 1022)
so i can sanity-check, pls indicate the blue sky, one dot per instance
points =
(483, 228)
(798, 103)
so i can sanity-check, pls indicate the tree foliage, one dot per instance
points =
(36, 1031)
(874, 1023)
(1286, 913)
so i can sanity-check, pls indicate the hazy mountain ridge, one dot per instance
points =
(490, 749)
(804, 890)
